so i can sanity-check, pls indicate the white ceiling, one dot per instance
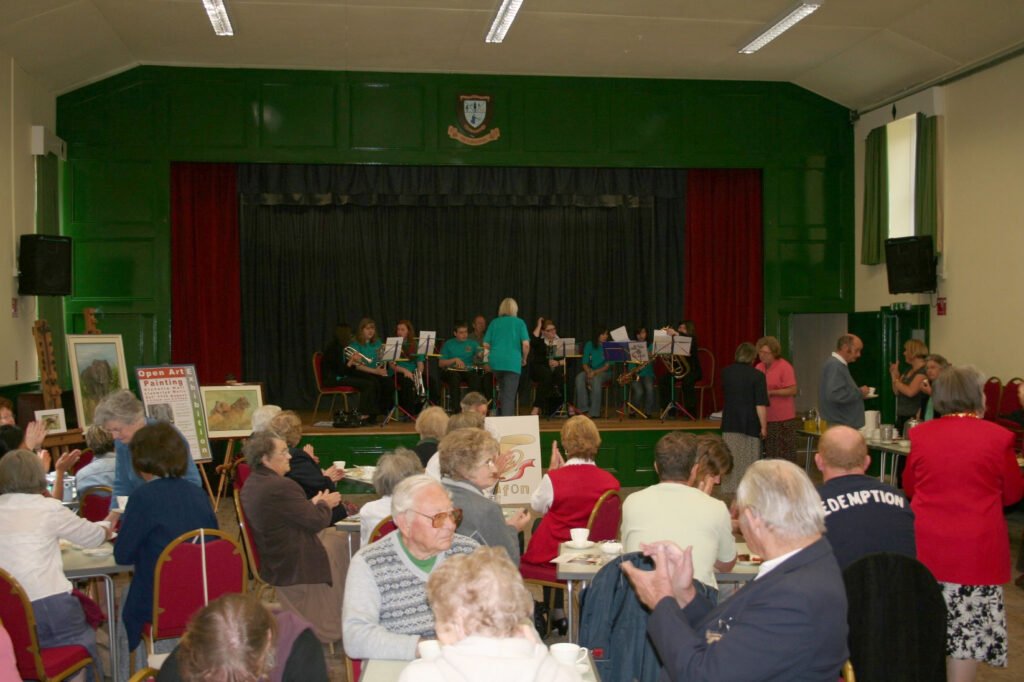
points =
(855, 52)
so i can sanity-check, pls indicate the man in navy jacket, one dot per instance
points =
(787, 625)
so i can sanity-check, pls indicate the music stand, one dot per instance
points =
(678, 345)
(637, 356)
(565, 349)
(617, 352)
(425, 343)
(391, 351)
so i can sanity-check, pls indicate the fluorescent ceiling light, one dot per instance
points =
(218, 17)
(503, 20)
(788, 21)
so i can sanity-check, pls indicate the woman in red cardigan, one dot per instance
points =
(565, 497)
(960, 474)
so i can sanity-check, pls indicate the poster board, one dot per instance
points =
(97, 370)
(171, 393)
(519, 463)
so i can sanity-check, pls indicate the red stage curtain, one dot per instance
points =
(206, 299)
(723, 284)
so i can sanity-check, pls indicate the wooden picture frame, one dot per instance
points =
(228, 408)
(53, 420)
(98, 369)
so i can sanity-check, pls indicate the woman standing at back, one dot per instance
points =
(508, 345)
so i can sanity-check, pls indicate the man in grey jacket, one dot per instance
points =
(840, 400)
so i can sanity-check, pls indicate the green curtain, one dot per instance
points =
(926, 204)
(876, 198)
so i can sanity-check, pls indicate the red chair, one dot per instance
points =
(252, 555)
(333, 391)
(606, 516)
(49, 664)
(993, 393)
(196, 568)
(386, 526)
(83, 459)
(707, 383)
(1009, 401)
(94, 502)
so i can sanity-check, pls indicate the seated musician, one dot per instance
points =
(339, 369)
(641, 391)
(688, 392)
(409, 369)
(594, 377)
(366, 348)
(457, 355)
(545, 369)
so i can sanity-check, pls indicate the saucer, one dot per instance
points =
(580, 545)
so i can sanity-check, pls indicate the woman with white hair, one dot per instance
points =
(483, 617)
(508, 345)
(961, 472)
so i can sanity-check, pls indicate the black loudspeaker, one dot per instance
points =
(910, 264)
(45, 265)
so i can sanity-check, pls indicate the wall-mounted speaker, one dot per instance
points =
(44, 263)
(910, 265)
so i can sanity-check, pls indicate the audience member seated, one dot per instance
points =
(483, 610)
(787, 624)
(934, 365)
(468, 473)
(236, 638)
(31, 438)
(11, 437)
(386, 612)
(862, 514)
(304, 466)
(301, 554)
(696, 519)
(121, 415)
(262, 415)
(392, 468)
(470, 419)
(100, 471)
(431, 425)
(961, 473)
(33, 524)
(158, 511)
(566, 496)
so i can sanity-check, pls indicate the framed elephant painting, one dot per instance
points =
(97, 369)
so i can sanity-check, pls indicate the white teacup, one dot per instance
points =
(579, 535)
(568, 653)
(339, 464)
(429, 648)
(122, 502)
(611, 547)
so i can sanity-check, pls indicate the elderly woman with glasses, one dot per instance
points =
(483, 612)
(468, 474)
(301, 554)
(961, 473)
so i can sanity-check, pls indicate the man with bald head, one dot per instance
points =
(840, 400)
(862, 514)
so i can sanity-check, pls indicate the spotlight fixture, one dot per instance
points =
(786, 22)
(218, 17)
(503, 20)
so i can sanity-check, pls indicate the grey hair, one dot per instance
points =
(21, 471)
(959, 389)
(258, 446)
(262, 416)
(780, 494)
(432, 422)
(120, 406)
(393, 468)
(403, 499)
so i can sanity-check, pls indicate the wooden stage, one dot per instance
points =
(627, 445)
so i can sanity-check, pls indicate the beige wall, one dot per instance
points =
(983, 261)
(23, 103)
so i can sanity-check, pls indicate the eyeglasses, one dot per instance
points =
(550, 329)
(438, 519)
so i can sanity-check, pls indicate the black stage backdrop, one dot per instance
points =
(326, 244)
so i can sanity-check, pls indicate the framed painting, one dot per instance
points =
(229, 409)
(97, 370)
(52, 420)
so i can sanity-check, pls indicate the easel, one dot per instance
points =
(226, 471)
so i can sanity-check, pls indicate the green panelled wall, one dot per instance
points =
(124, 132)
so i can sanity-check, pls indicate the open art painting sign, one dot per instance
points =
(518, 462)
(171, 393)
